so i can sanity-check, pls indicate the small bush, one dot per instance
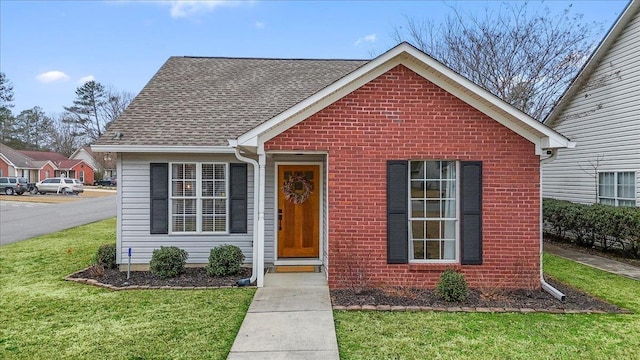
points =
(225, 260)
(106, 256)
(168, 262)
(452, 286)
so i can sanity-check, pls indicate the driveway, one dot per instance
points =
(20, 220)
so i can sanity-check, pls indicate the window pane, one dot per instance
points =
(449, 250)
(449, 189)
(433, 209)
(433, 229)
(207, 223)
(418, 250)
(207, 188)
(221, 188)
(417, 208)
(433, 250)
(417, 170)
(417, 230)
(629, 203)
(417, 189)
(449, 229)
(433, 189)
(606, 187)
(220, 172)
(449, 209)
(433, 169)
(220, 224)
(626, 185)
(221, 206)
(449, 170)
(607, 201)
(207, 172)
(207, 206)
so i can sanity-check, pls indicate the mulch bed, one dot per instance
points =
(372, 299)
(500, 301)
(192, 277)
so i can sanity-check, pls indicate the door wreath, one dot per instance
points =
(290, 194)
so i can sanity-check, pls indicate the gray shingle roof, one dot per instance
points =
(194, 101)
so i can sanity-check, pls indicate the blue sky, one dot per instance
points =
(48, 48)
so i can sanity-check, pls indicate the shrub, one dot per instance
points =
(225, 260)
(106, 256)
(168, 262)
(452, 286)
(590, 225)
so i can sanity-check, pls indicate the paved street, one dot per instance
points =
(23, 220)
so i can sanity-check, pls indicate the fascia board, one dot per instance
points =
(163, 149)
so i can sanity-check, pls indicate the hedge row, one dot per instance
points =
(599, 225)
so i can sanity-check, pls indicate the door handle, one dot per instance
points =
(279, 219)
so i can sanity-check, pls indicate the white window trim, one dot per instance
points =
(198, 198)
(615, 197)
(456, 258)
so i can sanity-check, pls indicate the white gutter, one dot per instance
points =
(256, 195)
(546, 286)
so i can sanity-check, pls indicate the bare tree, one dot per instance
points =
(591, 169)
(63, 135)
(527, 59)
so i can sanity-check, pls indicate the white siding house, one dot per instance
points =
(601, 112)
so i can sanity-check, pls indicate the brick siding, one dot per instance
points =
(402, 116)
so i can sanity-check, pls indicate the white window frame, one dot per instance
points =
(616, 198)
(456, 258)
(198, 198)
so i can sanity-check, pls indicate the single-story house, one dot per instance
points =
(63, 166)
(601, 111)
(15, 163)
(384, 171)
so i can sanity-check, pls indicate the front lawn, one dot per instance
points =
(404, 335)
(45, 317)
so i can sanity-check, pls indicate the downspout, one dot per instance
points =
(546, 286)
(256, 195)
(262, 161)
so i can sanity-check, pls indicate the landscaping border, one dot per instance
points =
(470, 309)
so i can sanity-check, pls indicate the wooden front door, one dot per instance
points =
(298, 220)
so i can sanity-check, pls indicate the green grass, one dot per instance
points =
(397, 335)
(45, 317)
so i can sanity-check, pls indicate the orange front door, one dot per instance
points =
(298, 220)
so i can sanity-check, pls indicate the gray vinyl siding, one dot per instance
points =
(134, 214)
(604, 119)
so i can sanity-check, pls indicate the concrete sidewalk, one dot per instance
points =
(598, 262)
(289, 318)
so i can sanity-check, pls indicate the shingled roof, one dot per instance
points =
(197, 101)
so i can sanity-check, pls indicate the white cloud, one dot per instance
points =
(367, 38)
(85, 79)
(52, 76)
(187, 8)
(259, 25)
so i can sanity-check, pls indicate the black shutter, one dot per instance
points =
(238, 198)
(397, 207)
(471, 205)
(159, 182)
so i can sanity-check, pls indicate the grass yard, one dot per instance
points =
(45, 317)
(398, 335)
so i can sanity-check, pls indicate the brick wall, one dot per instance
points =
(400, 116)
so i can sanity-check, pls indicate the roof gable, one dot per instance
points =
(404, 54)
(593, 62)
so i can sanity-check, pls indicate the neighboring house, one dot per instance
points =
(601, 112)
(63, 166)
(385, 172)
(15, 163)
(103, 162)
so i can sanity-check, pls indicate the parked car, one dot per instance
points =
(112, 181)
(60, 185)
(13, 185)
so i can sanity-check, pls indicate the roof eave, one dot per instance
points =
(163, 149)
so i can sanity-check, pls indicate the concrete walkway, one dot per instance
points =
(289, 318)
(598, 262)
